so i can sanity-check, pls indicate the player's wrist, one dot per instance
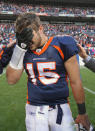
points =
(19, 48)
(17, 58)
(81, 108)
(22, 45)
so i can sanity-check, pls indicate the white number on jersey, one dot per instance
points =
(45, 77)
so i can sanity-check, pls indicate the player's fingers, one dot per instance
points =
(85, 124)
(88, 124)
(77, 121)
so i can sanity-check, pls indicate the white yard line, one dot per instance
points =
(92, 92)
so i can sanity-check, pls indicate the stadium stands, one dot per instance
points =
(83, 33)
(7, 8)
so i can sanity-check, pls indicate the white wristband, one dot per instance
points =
(17, 58)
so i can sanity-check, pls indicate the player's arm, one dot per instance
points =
(72, 68)
(73, 71)
(13, 75)
(6, 53)
(88, 60)
(15, 68)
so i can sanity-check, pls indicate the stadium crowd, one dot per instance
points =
(7, 34)
(84, 34)
(45, 10)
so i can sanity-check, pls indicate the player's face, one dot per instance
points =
(36, 41)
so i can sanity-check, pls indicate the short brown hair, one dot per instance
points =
(27, 20)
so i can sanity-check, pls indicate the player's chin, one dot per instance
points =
(33, 47)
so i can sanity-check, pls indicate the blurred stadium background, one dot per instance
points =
(74, 17)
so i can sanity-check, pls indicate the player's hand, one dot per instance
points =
(24, 38)
(11, 43)
(83, 119)
(82, 52)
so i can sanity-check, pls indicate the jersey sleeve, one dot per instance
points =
(6, 56)
(68, 46)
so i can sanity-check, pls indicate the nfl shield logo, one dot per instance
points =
(23, 45)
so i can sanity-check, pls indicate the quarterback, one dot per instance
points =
(47, 62)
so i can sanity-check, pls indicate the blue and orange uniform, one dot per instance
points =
(5, 56)
(47, 76)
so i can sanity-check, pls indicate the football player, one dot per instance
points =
(5, 54)
(47, 62)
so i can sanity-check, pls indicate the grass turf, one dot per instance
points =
(13, 99)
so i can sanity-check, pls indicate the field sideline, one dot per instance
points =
(13, 98)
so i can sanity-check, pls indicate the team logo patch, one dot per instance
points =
(38, 50)
(23, 45)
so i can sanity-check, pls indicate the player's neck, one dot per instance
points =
(44, 40)
(43, 43)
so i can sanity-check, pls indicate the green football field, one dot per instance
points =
(13, 99)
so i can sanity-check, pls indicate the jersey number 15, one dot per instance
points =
(45, 77)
